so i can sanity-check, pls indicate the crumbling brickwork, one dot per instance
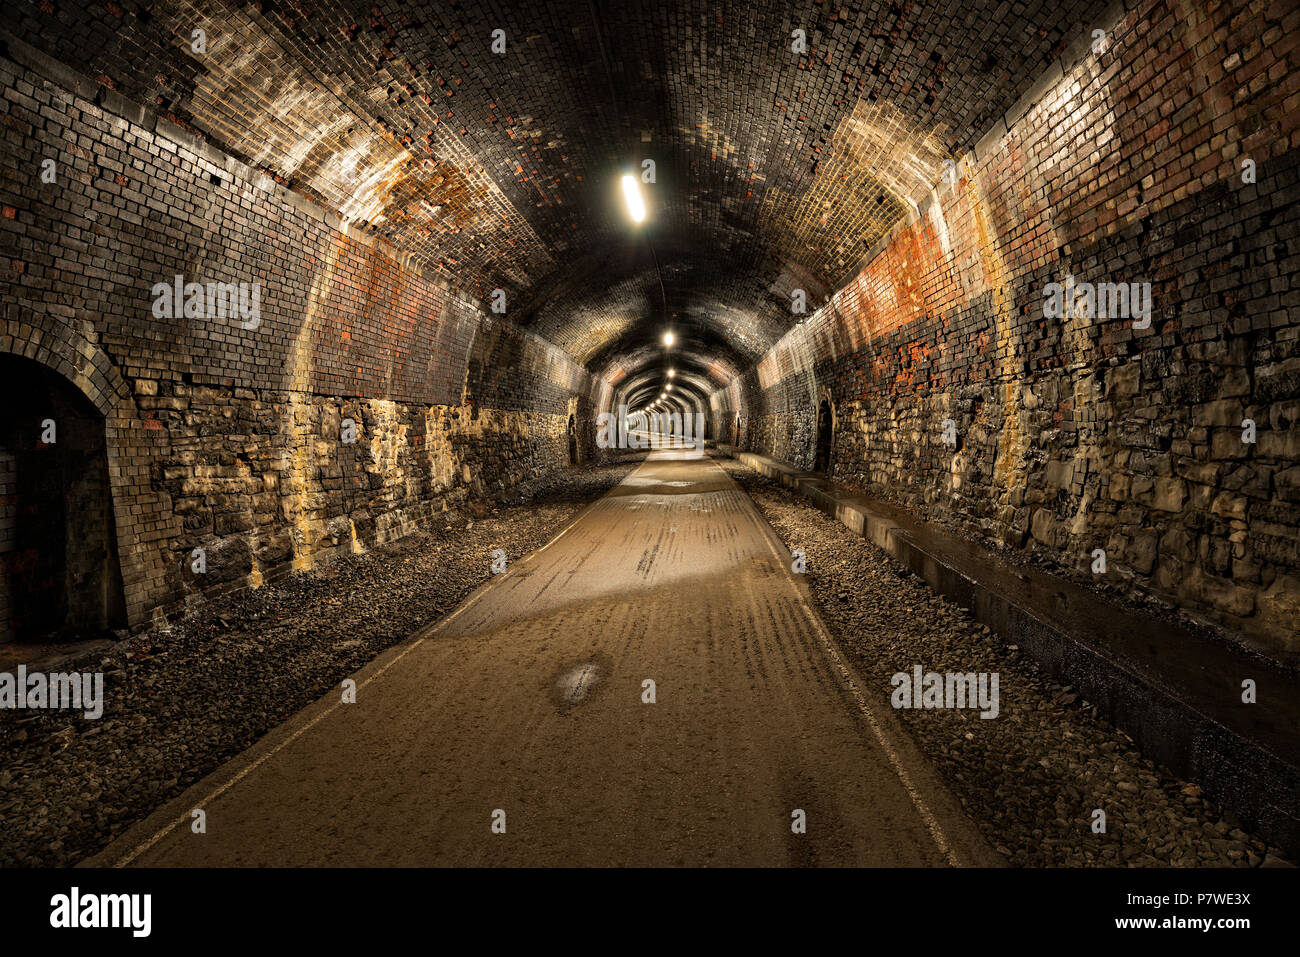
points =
(380, 174)
(776, 169)
(227, 433)
(1081, 433)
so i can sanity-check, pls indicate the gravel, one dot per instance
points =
(1032, 777)
(182, 698)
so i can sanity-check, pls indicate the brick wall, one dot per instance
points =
(1085, 433)
(729, 411)
(225, 434)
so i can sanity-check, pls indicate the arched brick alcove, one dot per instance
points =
(106, 427)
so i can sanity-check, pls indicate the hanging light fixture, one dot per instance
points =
(632, 195)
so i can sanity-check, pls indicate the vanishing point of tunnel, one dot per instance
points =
(675, 434)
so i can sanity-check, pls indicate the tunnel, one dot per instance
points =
(604, 433)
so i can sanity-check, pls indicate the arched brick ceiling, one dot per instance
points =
(775, 170)
(637, 375)
(688, 388)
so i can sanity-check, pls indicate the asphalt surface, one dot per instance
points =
(529, 699)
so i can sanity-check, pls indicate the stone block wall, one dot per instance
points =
(1086, 432)
(224, 433)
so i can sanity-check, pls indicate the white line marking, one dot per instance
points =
(931, 822)
(427, 633)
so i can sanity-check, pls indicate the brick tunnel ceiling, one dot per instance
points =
(774, 170)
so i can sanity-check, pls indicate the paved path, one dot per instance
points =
(528, 699)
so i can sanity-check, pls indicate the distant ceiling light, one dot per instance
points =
(671, 373)
(632, 193)
(669, 338)
(668, 387)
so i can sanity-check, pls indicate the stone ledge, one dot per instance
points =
(1176, 693)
